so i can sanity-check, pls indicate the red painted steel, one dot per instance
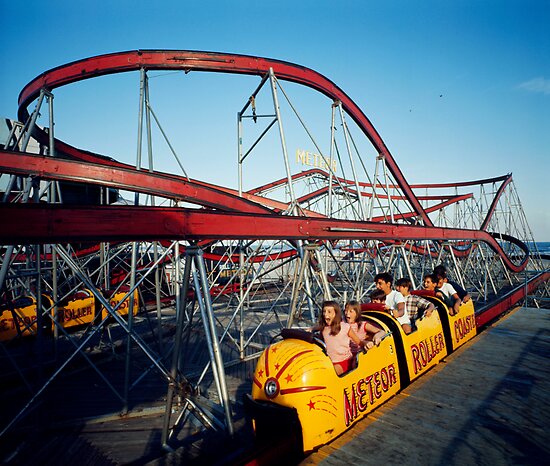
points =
(108, 172)
(462, 184)
(506, 302)
(214, 62)
(429, 210)
(58, 223)
(318, 172)
(322, 191)
(124, 177)
(494, 204)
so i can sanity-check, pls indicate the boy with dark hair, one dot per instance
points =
(377, 296)
(462, 293)
(413, 303)
(395, 302)
(444, 291)
(450, 296)
(429, 282)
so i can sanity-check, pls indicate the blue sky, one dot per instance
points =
(458, 90)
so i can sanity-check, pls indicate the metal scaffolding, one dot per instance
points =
(237, 265)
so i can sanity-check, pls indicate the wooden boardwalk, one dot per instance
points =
(78, 420)
(488, 404)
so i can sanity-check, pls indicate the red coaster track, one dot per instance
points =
(232, 235)
(108, 172)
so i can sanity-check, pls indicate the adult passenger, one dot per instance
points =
(395, 302)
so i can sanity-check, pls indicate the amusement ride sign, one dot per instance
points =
(312, 159)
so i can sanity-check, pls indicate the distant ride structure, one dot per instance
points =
(244, 261)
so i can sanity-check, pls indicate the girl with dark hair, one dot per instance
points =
(363, 328)
(337, 336)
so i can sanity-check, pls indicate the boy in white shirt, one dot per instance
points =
(395, 301)
(452, 299)
(462, 293)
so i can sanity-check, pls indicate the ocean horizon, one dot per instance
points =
(543, 247)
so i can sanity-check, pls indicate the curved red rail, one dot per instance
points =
(349, 186)
(108, 172)
(494, 204)
(59, 223)
(216, 62)
(126, 177)
(318, 172)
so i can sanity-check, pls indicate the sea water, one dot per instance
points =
(542, 247)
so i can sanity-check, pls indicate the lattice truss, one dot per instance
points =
(236, 287)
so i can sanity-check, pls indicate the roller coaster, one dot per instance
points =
(296, 388)
(241, 263)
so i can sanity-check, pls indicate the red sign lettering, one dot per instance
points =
(426, 350)
(25, 323)
(350, 405)
(367, 390)
(463, 326)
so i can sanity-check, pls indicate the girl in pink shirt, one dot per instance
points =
(363, 328)
(337, 336)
